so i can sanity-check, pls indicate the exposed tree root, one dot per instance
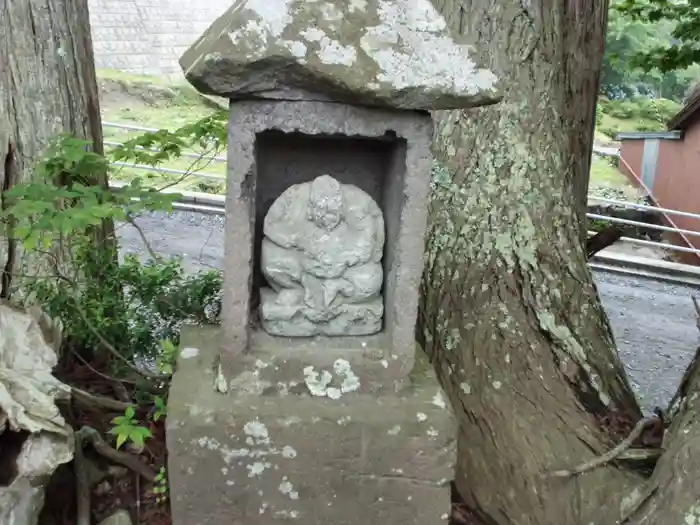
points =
(82, 483)
(613, 454)
(601, 240)
(91, 401)
(89, 434)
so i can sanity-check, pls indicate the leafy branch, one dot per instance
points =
(685, 50)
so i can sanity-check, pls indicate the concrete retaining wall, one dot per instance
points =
(148, 36)
(636, 232)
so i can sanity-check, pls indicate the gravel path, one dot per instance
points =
(653, 321)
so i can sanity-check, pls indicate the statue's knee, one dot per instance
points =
(366, 279)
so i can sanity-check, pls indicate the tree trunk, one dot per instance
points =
(47, 88)
(509, 311)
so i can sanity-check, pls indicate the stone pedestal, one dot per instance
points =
(284, 444)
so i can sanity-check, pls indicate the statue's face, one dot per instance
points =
(326, 203)
(327, 213)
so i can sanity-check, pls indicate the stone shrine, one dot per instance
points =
(312, 402)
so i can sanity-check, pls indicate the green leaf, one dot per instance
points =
(121, 439)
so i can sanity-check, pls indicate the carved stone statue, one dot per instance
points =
(321, 255)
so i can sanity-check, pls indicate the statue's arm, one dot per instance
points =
(366, 221)
(278, 220)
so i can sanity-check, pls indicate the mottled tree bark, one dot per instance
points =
(509, 311)
(47, 87)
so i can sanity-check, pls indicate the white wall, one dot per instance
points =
(148, 36)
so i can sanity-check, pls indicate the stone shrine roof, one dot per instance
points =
(387, 53)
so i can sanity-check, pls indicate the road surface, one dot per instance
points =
(653, 321)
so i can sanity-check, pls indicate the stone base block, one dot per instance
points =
(353, 459)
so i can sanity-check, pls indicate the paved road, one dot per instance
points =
(653, 321)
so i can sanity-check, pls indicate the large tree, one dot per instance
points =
(47, 88)
(510, 314)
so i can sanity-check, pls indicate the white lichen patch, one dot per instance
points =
(298, 49)
(287, 488)
(465, 387)
(332, 52)
(256, 432)
(319, 383)
(257, 457)
(358, 5)
(316, 382)
(189, 352)
(412, 47)
(439, 400)
(421, 417)
(274, 15)
(289, 452)
(497, 385)
(312, 34)
(351, 382)
(257, 468)
(220, 383)
(692, 517)
(394, 431)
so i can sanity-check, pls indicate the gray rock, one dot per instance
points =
(121, 517)
(321, 255)
(386, 53)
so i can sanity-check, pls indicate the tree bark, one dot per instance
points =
(47, 88)
(509, 313)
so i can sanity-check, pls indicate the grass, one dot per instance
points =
(154, 102)
(162, 103)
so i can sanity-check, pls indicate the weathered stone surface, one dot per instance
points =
(121, 517)
(28, 393)
(348, 458)
(391, 53)
(321, 256)
(276, 144)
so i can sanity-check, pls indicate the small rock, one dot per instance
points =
(105, 487)
(117, 472)
(121, 517)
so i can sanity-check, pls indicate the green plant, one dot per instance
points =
(167, 358)
(597, 225)
(41, 213)
(598, 115)
(127, 429)
(160, 409)
(128, 309)
(160, 488)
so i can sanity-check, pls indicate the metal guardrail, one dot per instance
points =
(211, 203)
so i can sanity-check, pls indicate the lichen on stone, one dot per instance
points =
(388, 53)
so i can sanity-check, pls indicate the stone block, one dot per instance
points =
(260, 455)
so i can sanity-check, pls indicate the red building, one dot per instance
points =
(667, 164)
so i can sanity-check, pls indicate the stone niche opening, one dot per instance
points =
(376, 165)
